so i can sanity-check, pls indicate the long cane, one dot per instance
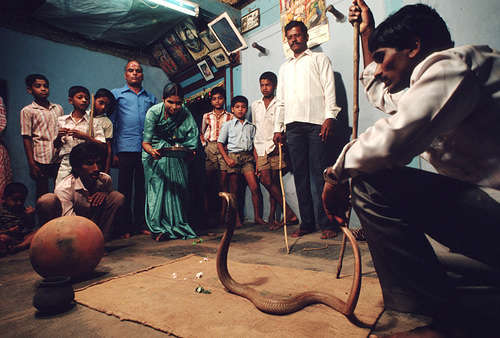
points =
(91, 119)
(355, 116)
(284, 198)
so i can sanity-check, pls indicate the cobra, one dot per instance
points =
(274, 304)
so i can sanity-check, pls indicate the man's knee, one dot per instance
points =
(364, 192)
(115, 198)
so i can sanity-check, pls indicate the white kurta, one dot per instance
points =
(306, 90)
(450, 114)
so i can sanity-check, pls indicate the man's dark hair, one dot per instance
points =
(270, 76)
(400, 29)
(103, 92)
(30, 79)
(294, 23)
(77, 89)
(15, 188)
(173, 89)
(239, 98)
(81, 154)
(218, 90)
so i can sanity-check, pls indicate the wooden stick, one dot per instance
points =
(355, 117)
(91, 119)
(284, 198)
(355, 104)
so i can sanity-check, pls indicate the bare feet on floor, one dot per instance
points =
(260, 221)
(275, 225)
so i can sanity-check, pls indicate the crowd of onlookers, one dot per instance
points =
(128, 129)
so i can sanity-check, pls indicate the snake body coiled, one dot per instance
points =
(280, 305)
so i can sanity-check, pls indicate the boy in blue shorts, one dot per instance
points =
(238, 134)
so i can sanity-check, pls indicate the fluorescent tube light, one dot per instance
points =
(183, 6)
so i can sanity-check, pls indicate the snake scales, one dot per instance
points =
(278, 304)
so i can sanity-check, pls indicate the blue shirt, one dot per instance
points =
(238, 136)
(128, 118)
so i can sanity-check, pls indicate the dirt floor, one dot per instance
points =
(251, 244)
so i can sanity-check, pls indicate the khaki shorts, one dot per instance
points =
(270, 162)
(244, 162)
(214, 160)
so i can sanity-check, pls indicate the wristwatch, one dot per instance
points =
(329, 178)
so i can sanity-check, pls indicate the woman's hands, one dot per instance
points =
(151, 151)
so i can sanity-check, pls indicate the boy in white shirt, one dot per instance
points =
(104, 104)
(266, 152)
(74, 129)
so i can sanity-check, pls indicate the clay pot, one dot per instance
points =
(54, 295)
(67, 246)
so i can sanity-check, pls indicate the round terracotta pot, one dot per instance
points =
(67, 246)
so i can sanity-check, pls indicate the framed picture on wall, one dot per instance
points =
(176, 50)
(187, 33)
(210, 41)
(205, 70)
(250, 21)
(225, 31)
(163, 59)
(219, 58)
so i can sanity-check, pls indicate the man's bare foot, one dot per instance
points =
(125, 235)
(259, 220)
(145, 232)
(276, 225)
(293, 220)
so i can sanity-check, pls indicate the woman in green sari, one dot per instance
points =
(168, 124)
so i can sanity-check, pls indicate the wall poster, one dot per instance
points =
(312, 13)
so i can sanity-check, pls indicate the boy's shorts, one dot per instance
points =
(244, 162)
(270, 162)
(214, 160)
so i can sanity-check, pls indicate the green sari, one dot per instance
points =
(166, 178)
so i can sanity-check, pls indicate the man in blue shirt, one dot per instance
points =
(128, 123)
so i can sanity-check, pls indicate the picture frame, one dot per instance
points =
(205, 70)
(219, 58)
(225, 31)
(176, 50)
(186, 31)
(163, 59)
(250, 21)
(209, 39)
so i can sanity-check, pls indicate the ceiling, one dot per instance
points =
(120, 27)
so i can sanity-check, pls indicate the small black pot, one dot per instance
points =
(54, 295)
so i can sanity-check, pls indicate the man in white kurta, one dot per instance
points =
(449, 113)
(307, 110)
